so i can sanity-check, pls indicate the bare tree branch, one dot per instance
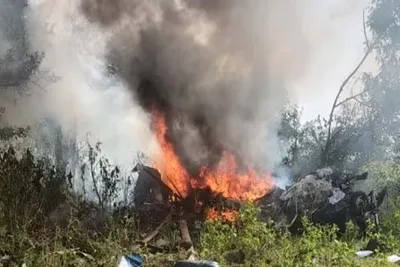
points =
(344, 83)
(336, 104)
(367, 42)
(362, 102)
(353, 97)
(38, 85)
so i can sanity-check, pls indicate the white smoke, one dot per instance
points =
(88, 100)
(84, 98)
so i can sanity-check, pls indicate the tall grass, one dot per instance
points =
(45, 222)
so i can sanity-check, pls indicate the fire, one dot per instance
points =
(173, 173)
(225, 179)
(224, 215)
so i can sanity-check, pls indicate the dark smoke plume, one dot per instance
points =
(214, 68)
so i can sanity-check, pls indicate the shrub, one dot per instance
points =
(29, 190)
(256, 243)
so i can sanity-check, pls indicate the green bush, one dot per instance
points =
(256, 243)
(29, 190)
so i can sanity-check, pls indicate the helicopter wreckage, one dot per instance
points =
(324, 197)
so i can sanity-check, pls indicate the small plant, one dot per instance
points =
(103, 176)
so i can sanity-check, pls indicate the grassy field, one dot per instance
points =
(30, 191)
(254, 243)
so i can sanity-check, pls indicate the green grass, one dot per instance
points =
(257, 243)
(30, 190)
(250, 242)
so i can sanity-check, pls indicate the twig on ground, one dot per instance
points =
(154, 233)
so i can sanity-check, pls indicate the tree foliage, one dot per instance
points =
(19, 63)
(365, 127)
(6, 133)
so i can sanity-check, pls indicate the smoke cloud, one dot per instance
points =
(83, 99)
(216, 69)
(220, 71)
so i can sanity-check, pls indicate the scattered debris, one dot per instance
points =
(137, 261)
(364, 253)
(149, 186)
(393, 258)
(324, 197)
(155, 232)
(190, 263)
(131, 261)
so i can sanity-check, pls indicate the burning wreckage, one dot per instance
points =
(188, 189)
(324, 197)
(173, 189)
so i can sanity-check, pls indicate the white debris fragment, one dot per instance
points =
(130, 261)
(124, 263)
(189, 263)
(337, 196)
(393, 258)
(364, 253)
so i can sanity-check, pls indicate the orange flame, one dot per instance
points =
(224, 215)
(225, 179)
(169, 165)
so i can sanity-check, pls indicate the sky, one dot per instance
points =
(336, 35)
